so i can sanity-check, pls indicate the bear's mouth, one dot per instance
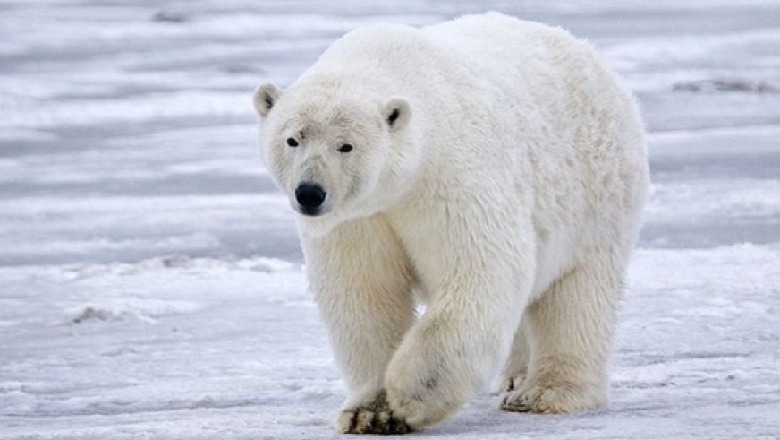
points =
(309, 212)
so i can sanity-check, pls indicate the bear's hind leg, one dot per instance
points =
(571, 328)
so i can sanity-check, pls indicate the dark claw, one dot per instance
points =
(516, 407)
(381, 422)
(396, 426)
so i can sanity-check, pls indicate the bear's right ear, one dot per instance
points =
(265, 98)
(396, 113)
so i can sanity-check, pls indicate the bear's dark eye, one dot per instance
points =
(392, 117)
(292, 142)
(346, 148)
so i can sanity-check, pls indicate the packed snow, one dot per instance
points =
(151, 282)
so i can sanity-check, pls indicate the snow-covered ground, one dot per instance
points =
(151, 281)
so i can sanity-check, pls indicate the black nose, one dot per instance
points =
(310, 196)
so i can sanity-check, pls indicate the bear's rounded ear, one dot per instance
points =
(396, 113)
(265, 98)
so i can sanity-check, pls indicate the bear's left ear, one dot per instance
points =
(265, 98)
(396, 113)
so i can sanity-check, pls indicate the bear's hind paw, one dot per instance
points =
(558, 399)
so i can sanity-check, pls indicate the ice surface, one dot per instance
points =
(151, 282)
(175, 348)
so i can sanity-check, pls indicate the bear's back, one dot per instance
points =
(490, 47)
(383, 53)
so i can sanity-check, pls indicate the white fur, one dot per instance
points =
(509, 186)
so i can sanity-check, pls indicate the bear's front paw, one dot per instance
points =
(420, 399)
(431, 375)
(374, 418)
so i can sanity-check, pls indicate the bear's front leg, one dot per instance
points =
(454, 348)
(477, 268)
(362, 282)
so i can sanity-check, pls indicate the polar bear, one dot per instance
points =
(489, 168)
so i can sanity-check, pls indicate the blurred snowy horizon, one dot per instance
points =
(150, 279)
(126, 129)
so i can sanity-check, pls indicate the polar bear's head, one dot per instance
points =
(337, 153)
